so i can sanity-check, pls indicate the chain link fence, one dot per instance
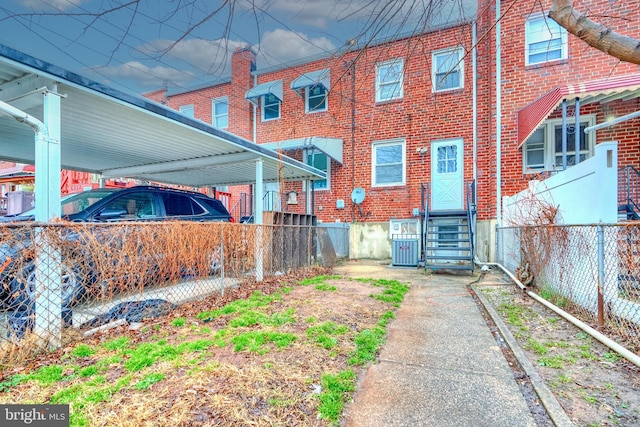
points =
(80, 275)
(590, 271)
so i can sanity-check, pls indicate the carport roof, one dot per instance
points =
(115, 134)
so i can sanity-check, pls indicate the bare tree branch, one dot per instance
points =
(595, 35)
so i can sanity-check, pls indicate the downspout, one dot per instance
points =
(498, 117)
(474, 57)
(353, 134)
(38, 127)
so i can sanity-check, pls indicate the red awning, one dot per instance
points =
(603, 90)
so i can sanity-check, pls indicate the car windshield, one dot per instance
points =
(78, 202)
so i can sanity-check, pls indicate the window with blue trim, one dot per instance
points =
(270, 107)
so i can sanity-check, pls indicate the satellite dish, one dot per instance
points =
(357, 195)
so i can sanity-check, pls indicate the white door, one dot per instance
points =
(446, 175)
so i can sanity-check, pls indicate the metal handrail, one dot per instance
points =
(632, 191)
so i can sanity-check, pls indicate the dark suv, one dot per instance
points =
(141, 203)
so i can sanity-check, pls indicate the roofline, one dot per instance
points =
(182, 91)
(69, 77)
(347, 48)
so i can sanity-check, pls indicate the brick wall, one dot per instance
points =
(523, 84)
(422, 116)
(419, 118)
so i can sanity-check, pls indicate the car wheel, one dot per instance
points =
(23, 286)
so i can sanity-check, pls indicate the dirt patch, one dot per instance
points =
(593, 384)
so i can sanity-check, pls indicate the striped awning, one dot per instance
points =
(602, 91)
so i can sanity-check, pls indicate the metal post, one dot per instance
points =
(578, 132)
(258, 220)
(564, 135)
(48, 277)
(600, 232)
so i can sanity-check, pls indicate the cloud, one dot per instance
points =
(206, 60)
(206, 56)
(145, 76)
(282, 46)
(60, 5)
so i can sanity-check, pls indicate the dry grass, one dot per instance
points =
(194, 374)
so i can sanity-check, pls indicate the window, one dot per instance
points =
(180, 204)
(545, 40)
(220, 113)
(543, 149)
(448, 70)
(320, 161)
(130, 206)
(388, 163)
(389, 80)
(187, 110)
(270, 107)
(316, 98)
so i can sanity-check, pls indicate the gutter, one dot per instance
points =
(38, 127)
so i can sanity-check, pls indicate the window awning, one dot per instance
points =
(332, 147)
(270, 88)
(602, 91)
(314, 78)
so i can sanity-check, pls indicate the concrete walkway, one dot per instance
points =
(440, 366)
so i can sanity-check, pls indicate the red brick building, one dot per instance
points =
(420, 117)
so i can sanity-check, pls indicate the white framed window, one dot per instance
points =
(187, 110)
(315, 99)
(390, 80)
(545, 40)
(543, 149)
(220, 112)
(388, 165)
(448, 69)
(270, 107)
(321, 161)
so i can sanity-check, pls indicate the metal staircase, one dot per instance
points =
(628, 194)
(448, 236)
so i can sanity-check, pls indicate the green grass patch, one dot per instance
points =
(336, 389)
(548, 293)
(515, 315)
(119, 343)
(252, 318)
(317, 280)
(12, 381)
(324, 334)
(82, 350)
(256, 300)
(47, 374)
(367, 343)
(146, 354)
(385, 318)
(611, 357)
(325, 287)
(180, 321)
(257, 341)
(149, 380)
(393, 290)
(556, 362)
(88, 371)
(537, 347)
